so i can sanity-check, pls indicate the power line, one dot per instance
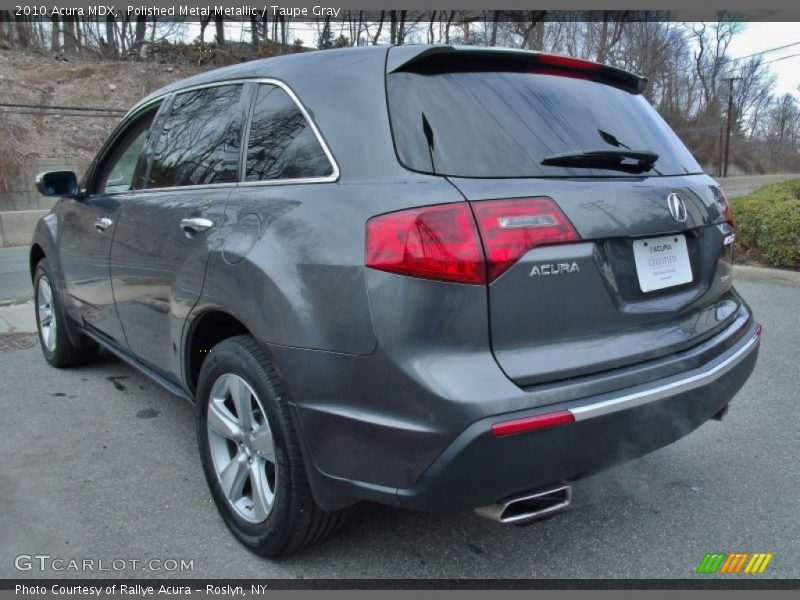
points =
(781, 58)
(742, 67)
(764, 52)
(71, 108)
(5, 111)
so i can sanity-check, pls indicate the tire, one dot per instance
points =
(51, 324)
(239, 384)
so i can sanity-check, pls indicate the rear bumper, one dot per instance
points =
(477, 469)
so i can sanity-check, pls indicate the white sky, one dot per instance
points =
(760, 36)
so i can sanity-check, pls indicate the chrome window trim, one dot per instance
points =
(333, 177)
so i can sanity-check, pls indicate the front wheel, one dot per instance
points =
(250, 453)
(51, 323)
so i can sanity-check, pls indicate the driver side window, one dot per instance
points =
(123, 168)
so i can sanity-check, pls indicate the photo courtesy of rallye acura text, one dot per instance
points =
(433, 277)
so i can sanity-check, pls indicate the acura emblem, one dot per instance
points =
(676, 208)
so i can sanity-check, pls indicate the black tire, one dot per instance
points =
(295, 520)
(59, 351)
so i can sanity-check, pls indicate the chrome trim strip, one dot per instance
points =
(175, 188)
(334, 176)
(613, 405)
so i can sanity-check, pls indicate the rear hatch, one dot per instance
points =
(606, 243)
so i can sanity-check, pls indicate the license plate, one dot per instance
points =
(662, 262)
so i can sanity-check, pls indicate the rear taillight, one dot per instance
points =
(509, 228)
(727, 213)
(436, 242)
(443, 243)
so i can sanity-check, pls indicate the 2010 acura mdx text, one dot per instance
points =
(433, 277)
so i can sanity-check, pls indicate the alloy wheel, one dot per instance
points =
(242, 448)
(46, 313)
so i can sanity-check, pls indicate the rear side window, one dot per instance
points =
(281, 143)
(200, 141)
(503, 124)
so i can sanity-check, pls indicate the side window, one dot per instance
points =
(282, 144)
(123, 167)
(201, 139)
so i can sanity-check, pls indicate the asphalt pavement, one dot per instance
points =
(15, 279)
(99, 463)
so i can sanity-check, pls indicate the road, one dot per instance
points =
(100, 463)
(741, 185)
(15, 279)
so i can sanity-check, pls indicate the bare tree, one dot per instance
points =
(55, 34)
(712, 41)
(219, 36)
(374, 38)
(610, 34)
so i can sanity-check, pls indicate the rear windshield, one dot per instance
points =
(502, 124)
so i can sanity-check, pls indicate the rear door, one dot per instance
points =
(645, 269)
(167, 230)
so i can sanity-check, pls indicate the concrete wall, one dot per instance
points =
(21, 205)
(16, 227)
(22, 194)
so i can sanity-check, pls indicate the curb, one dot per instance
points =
(17, 319)
(15, 301)
(749, 273)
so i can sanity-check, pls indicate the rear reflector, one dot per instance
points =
(526, 424)
(509, 228)
(436, 242)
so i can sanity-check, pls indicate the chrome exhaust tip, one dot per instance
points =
(528, 506)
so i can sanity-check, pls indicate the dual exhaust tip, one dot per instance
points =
(528, 506)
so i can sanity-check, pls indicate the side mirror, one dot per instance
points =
(58, 184)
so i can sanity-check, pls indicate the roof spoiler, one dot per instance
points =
(431, 59)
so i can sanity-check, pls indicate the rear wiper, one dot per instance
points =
(631, 161)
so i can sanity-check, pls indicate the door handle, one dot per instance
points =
(103, 223)
(194, 225)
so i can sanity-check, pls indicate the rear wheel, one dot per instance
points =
(250, 453)
(51, 323)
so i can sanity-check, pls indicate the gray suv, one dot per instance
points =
(432, 277)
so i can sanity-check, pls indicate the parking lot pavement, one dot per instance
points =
(15, 280)
(99, 463)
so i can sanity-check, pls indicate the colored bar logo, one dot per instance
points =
(734, 563)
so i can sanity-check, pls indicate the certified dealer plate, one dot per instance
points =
(662, 262)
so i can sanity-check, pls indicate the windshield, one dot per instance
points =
(504, 124)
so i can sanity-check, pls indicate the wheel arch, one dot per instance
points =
(207, 328)
(35, 256)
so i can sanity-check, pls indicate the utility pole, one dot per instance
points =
(730, 81)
